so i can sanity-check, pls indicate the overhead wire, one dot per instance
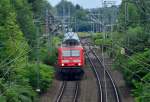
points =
(22, 45)
(139, 62)
(140, 20)
(8, 70)
(103, 62)
(14, 60)
(134, 60)
(139, 77)
(125, 67)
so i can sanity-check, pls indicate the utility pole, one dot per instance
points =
(76, 30)
(103, 57)
(13, 3)
(63, 16)
(37, 55)
(126, 19)
(91, 24)
(105, 4)
(47, 31)
(69, 17)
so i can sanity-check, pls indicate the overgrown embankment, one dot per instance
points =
(21, 74)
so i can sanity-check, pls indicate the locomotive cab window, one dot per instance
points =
(73, 53)
(66, 53)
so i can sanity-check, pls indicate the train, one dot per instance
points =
(71, 55)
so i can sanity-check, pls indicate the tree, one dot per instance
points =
(25, 20)
(133, 35)
(64, 8)
(17, 32)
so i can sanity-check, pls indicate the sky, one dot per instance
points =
(85, 3)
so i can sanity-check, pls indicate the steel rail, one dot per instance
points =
(109, 75)
(107, 72)
(97, 77)
(62, 91)
(76, 92)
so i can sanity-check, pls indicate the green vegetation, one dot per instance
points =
(21, 73)
(82, 16)
(65, 8)
(18, 68)
(46, 75)
(98, 39)
(132, 37)
(76, 12)
(84, 34)
(50, 58)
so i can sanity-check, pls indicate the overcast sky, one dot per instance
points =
(85, 3)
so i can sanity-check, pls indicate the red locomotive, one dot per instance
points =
(71, 54)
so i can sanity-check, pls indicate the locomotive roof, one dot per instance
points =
(71, 36)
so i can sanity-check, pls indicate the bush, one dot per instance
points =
(49, 56)
(45, 76)
(141, 92)
(97, 36)
(99, 41)
(50, 59)
(136, 73)
(13, 92)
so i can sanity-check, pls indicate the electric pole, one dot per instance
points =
(105, 4)
(48, 32)
(126, 19)
(37, 55)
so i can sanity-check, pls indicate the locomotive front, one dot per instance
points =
(71, 54)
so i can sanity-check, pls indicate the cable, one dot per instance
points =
(133, 60)
(139, 77)
(139, 63)
(125, 67)
(10, 68)
(128, 49)
(136, 52)
(14, 58)
(11, 61)
(137, 60)
(14, 61)
(22, 45)
(133, 51)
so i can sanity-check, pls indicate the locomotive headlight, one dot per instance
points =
(76, 61)
(65, 61)
(62, 64)
(79, 64)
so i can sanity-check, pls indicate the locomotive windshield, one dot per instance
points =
(73, 53)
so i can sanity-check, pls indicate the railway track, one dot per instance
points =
(107, 89)
(100, 92)
(111, 89)
(68, 92)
